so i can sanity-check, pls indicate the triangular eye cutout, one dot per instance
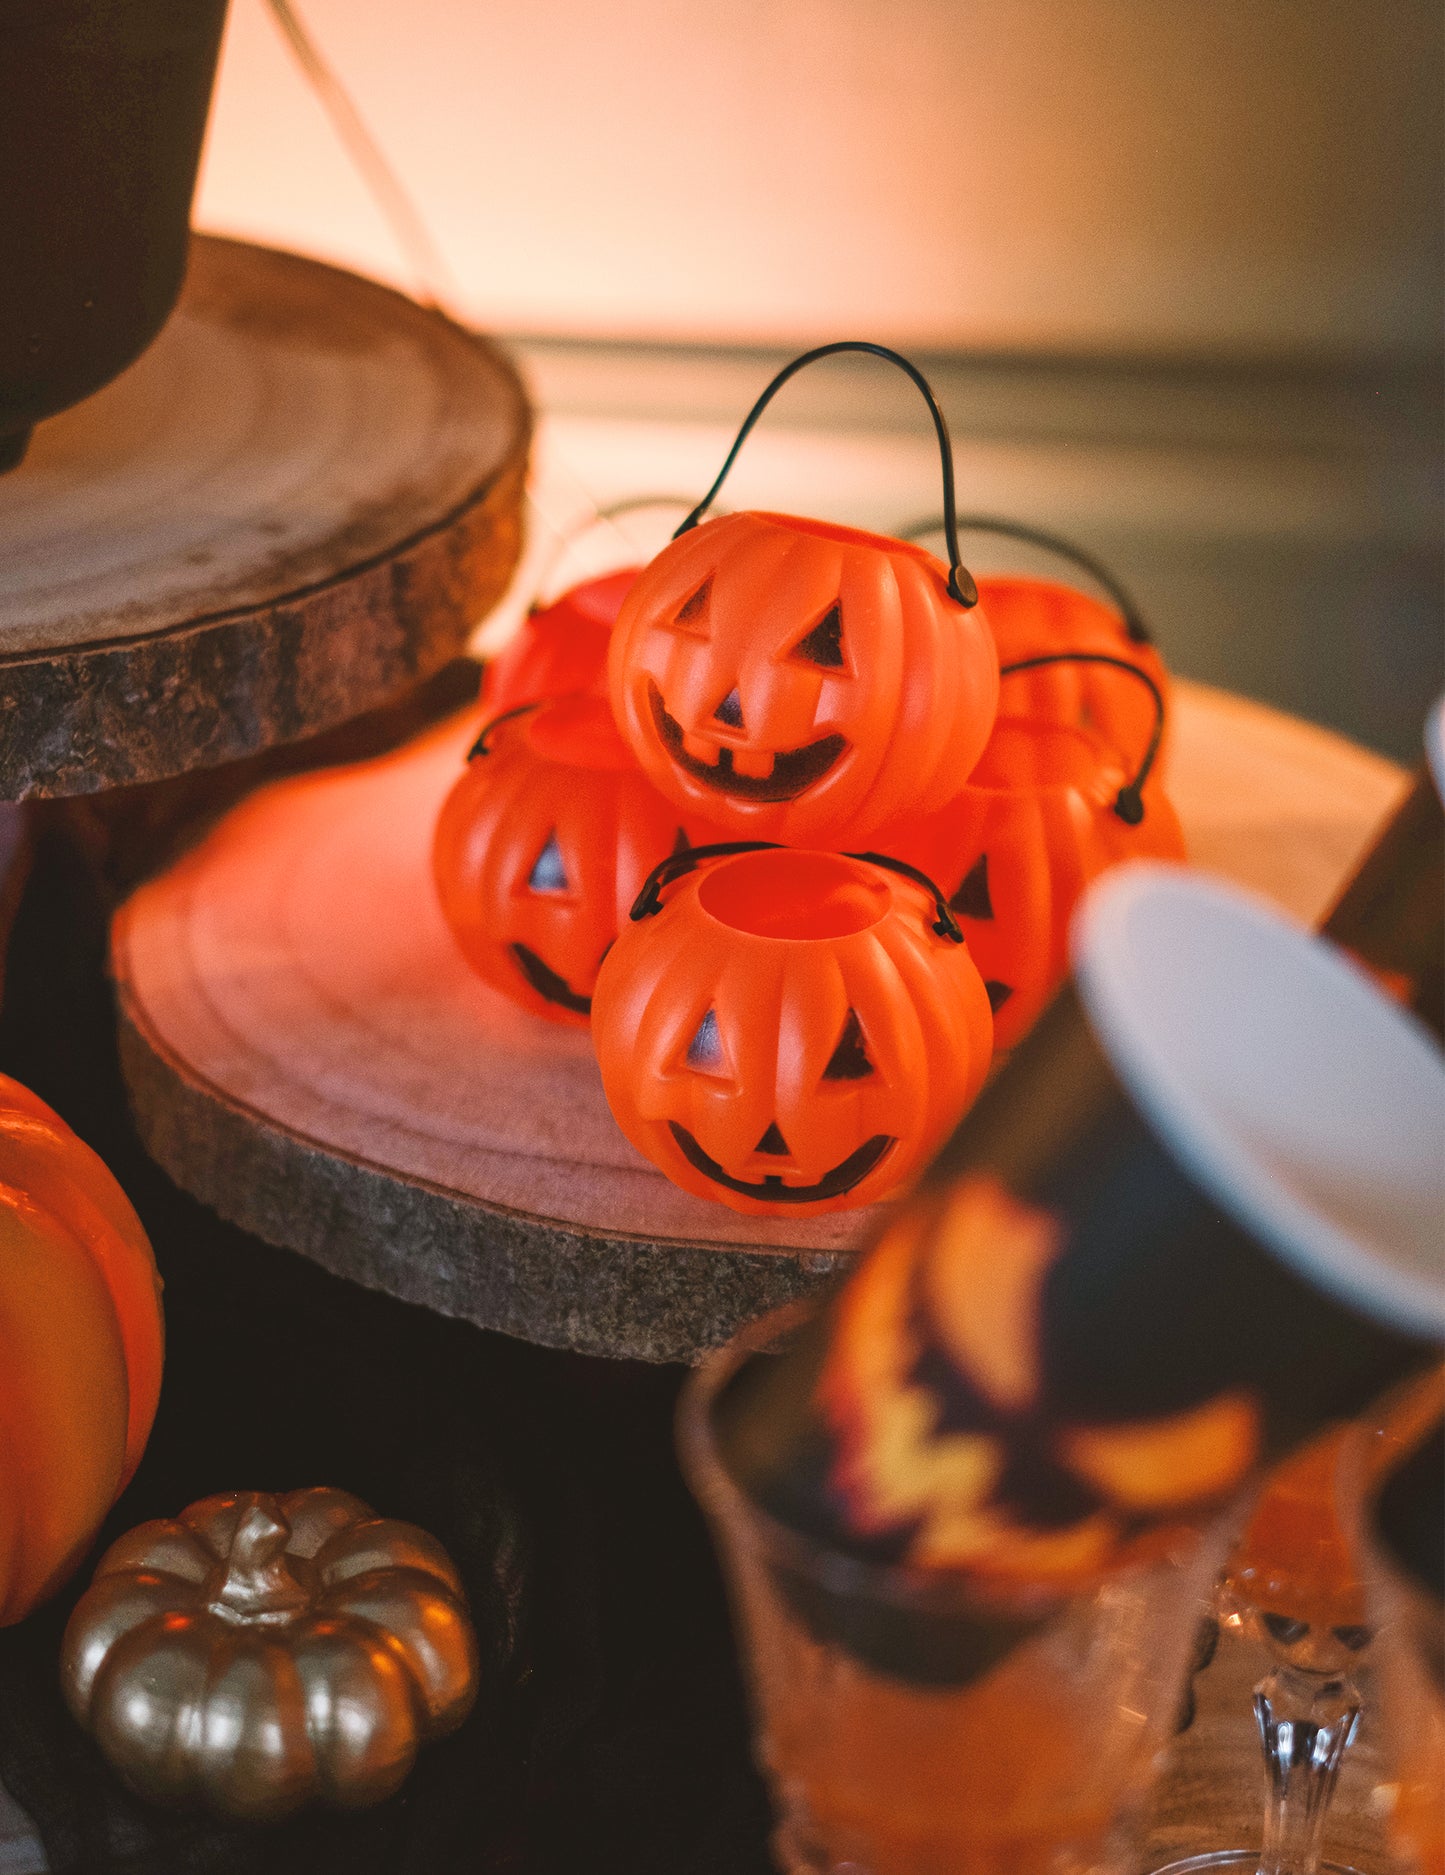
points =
(705, 1050)
(972, 899)
(998, 994)
(692, 613)
(773, 1143)
(849, 1060)
(548, 874)
(824, 643)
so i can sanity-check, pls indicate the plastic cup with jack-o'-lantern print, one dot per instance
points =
(972, 1509)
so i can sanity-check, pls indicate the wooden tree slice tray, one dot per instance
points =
(307, 1053)
(297, 502)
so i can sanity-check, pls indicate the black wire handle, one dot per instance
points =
(960, 580)
(945, 924)
(1134, 624)
(479, 747)
(1129, 802)
(649, 900)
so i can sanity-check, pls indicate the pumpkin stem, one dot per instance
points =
(258, 1583)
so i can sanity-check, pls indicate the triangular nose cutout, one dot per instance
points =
(549, 874)
(773, 1143)
(705, 1050)
(730, 710)
(849, 1060)
(973, 899)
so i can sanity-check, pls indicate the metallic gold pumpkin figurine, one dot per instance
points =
(258, 1653)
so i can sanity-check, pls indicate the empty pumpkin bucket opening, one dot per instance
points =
(791, 894)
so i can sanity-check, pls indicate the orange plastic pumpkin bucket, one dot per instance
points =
(789, 1031)
(541, 848)
(1033, 618)
(1049, 807)
(795, 680)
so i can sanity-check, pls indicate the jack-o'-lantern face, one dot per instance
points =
(1018, 846)
(542, 846)
(772, 1159)
(936, 1395)
(797, 681)
(790, 1032)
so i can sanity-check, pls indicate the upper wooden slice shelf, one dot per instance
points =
(300, 500)
(307, 1052)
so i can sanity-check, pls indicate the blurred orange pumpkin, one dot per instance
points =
(1032, 617)
(81, 1343)
(560, 648)
(791, 1031)
(1037, 618)
(1048, 808)
(542, 846)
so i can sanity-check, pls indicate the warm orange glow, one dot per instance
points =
(1114, 174)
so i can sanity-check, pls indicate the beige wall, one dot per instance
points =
(1236, 176)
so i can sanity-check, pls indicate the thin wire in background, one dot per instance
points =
(434, 279)
(436, 285)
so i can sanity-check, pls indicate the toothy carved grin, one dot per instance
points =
(793, 770)
(548, 985)
(843, 1177)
